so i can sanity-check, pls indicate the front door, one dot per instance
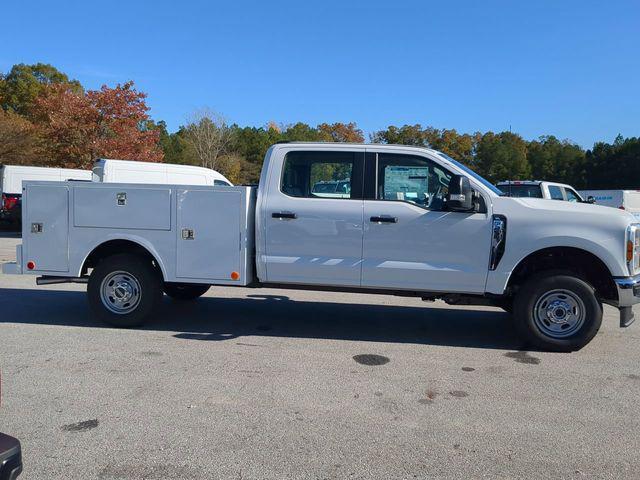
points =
(314, 219)
(410, 240)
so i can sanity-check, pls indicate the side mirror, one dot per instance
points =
(460, 196)
(590, 199)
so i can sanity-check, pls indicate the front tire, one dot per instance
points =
(557, 312)
(124, 290)
(185, 291)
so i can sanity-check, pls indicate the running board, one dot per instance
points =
(51, 280)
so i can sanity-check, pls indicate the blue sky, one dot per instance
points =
(563, 67)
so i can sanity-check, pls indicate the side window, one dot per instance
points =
(412, 179)
(319, 175)
(555, 192)
(221, 183)
(571, 195)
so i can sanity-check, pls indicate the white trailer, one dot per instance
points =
(12, 176)
(412, 222)
(628, 200)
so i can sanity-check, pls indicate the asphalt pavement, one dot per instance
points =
(283, 384)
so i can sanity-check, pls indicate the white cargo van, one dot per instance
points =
(11, 177)
(127, 171)
(628, 200)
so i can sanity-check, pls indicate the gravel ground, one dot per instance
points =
(280, 384)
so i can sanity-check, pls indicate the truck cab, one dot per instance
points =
(385, 219)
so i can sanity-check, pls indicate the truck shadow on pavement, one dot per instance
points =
(224, 319)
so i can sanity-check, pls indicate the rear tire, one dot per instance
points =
(185, 291)
(124, 290)
(557, 312)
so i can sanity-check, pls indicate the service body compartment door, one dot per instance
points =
(46, 227)
(124, 206)
(209, 234)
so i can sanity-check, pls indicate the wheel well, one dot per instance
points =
(585, 264)
(113, 247)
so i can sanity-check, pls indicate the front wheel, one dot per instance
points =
(557, 312)
(124, 290)
(185, 291)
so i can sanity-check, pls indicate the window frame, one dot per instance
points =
(560, 189)
(579, 199)
(371, 176)
(357, 173)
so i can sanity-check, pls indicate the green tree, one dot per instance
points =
(502, 156)
(616, 165)
(555, 160)
(24, 83)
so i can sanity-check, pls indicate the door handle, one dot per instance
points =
(284, 215)
(384, 219)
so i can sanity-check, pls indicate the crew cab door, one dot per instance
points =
(313, 218)
(410, 240)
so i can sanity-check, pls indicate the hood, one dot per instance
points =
(541, 206)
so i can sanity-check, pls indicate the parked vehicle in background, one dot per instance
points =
(332, 188)
(415, 223)
(11, 178)
(127, 171)
(541, 189)
(628, 200)
(10, 457)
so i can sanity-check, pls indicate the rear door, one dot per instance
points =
(410, 242)
(313, 224)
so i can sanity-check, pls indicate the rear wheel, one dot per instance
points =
(185, 291)
(124, 290)
(557, 312)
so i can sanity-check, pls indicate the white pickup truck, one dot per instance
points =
(411, 222)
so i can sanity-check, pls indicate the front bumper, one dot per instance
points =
(628, 296)
(628, 290)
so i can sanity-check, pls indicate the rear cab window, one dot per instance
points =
(321, 175)
(555, 192)
(521, 191)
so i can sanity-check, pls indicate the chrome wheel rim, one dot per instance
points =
(120, 292)
(559, 313)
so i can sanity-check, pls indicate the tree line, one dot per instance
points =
(48, 119)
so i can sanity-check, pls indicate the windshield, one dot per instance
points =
(526, 191)
(473, 174)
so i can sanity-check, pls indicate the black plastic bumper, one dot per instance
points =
(10, 457)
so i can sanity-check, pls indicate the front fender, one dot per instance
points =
(498, 280)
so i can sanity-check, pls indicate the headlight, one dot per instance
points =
(633, 248)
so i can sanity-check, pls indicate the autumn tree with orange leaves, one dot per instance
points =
(78, 127)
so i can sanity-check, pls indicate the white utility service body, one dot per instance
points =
(415, 222)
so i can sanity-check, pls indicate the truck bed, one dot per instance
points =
(197, 234)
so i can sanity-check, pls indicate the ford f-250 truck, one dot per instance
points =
(411, 222)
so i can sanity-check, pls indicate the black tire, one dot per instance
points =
(506, 305)
(538, 312)
(137, 277)
(185, 291)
